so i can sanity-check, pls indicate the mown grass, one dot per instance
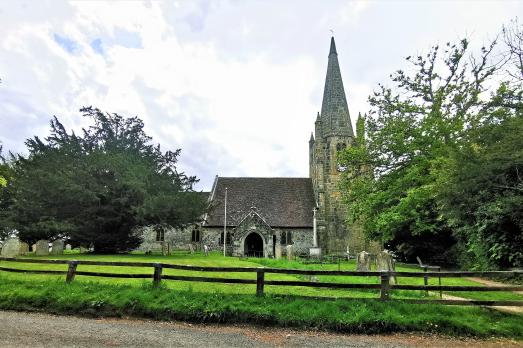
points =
(93, 298)
(216, 259)
(235, 303)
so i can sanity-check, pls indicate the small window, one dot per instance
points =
(229, 238)
(195, 235)
(340, 146)
(286, 238)
(160, 235)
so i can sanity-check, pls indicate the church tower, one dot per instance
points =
(332, 133)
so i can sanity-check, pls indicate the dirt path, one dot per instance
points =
(487, 282)
(19, 329)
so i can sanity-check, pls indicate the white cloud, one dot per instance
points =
(236, 85)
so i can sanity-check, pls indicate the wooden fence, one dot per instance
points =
(384, 286)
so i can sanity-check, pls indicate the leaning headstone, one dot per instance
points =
(11, 248)
(24, 248)
(42, 248)
(277, 251)
(68, 247)
(58, 247)
(363, 262)
(289, 253)
(385, 262)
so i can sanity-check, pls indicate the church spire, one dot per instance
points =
(335, 117)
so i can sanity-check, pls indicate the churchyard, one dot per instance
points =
(294, 306)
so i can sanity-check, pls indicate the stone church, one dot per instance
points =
(264, 215)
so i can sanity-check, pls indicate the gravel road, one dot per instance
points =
(19, 329)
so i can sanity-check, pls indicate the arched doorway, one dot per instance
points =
(253, 245)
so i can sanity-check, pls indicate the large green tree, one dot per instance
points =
(98, 187)
(395, 182)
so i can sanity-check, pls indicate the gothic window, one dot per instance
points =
(160, 235)
(286, 238)
(195, 235)
(340, 146)
(229, 238)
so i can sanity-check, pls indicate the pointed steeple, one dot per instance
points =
(311, 140)
(335, 117)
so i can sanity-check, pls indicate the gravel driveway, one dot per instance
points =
(19, 329)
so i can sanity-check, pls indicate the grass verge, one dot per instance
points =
(163, 303)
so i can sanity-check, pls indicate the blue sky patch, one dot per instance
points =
(127, 39)
(67, 44)
(97, 46)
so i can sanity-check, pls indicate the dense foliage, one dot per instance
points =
(438, 171)
(96, 188)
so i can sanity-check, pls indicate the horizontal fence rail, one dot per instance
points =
(384, 286)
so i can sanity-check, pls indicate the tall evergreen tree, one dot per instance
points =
(95, 189)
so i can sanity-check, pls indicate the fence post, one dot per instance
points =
(157, 278)
(71, 271)
(426, 280)
(384, 290)
(260, 282)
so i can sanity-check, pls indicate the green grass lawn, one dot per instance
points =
(216, 259)
(214, 302)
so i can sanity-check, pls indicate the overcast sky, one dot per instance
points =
(235, 84)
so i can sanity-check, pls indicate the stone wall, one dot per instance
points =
(178, 239)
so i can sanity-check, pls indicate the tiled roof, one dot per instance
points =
(281, 202)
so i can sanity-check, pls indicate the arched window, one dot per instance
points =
(195, 235)
(160, 235)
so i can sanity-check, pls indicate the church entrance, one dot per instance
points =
(253, 245)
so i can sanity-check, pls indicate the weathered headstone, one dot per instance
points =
(289, 253)
(277, 251)
(68, 247)
(58, 247)
(363, 262)
(385, 262)
(83, 250)
(191, 248)
(166, 249)
(11, 248)
(24, 248)
(42, 248)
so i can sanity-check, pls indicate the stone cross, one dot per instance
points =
(58, 247)
(11, 248)
(42, 248)
(363, 262)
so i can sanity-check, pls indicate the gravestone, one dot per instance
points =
(58, 247)
(11, 248)
(191, 248)
(68, 247)
(363, 262)
(277, 251)
(289, 253)
(24, 248)
(33, 248)
(83, 250)
(166, 249)
(385, 262)
(42, 248)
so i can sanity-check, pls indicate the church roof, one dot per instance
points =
(281, 202)
(335, 117)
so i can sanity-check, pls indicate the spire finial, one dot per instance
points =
(333, 47)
